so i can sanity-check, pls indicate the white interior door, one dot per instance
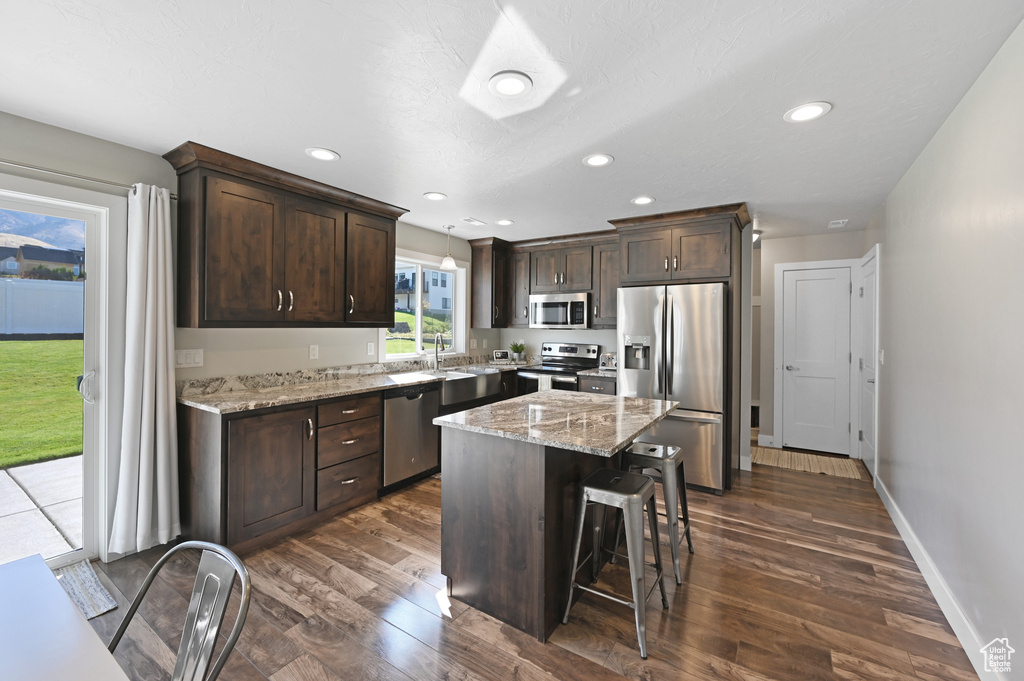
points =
(866, 307)
(816, 359)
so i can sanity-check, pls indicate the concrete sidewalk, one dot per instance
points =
(41, 509)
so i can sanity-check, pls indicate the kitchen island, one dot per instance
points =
(508, 496)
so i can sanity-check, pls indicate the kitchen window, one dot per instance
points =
(421, 311)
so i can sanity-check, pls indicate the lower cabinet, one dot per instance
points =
(247, 479)
(270, 472)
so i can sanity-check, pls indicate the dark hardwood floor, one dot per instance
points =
(794, 576)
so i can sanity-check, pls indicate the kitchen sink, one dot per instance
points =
(465, 383)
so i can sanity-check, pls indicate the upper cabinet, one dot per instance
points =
(261, 247)
(679, 246)
(604, 299)
(565, 269)
(490, 283)
(520, 314)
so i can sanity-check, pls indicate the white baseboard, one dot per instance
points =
(746, 464)
(962, 627)
(765, 441)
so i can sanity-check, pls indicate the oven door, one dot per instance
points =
(531, 382)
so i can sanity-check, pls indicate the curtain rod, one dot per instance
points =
(174, 197)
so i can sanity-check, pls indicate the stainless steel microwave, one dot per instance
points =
(559, 311)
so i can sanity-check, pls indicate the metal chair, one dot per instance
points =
(668, 461)
(629, 492)
(214, 580)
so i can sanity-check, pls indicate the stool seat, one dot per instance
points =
(632, 493)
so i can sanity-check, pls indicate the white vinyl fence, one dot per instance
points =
(40, 307)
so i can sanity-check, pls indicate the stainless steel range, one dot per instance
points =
(560, 363)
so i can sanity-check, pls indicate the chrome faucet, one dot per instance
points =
(438, 345)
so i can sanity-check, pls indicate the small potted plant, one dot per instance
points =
(518, 349)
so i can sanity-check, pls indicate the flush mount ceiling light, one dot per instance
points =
(448, 263)
(435, 196)
(321, 154)
(504, 223)
(642, 200)
(807, 112)
(598, 160)
(509, 83)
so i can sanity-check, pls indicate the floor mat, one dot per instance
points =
(84, 588)
(809, 463)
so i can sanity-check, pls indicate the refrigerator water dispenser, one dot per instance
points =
(637, 352)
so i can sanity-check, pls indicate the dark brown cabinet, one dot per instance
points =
(698, 250)
(270, 472)
(604, 301)
(370, 268)
(521, 288)
(260, 247)
(491, 263)
(566, 269)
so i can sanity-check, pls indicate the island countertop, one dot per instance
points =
(593, 424)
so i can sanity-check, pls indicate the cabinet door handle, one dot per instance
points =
(526, 312)
(675, 263)
(349, 481)
(495, 311)
(351, 303)
(310, 422)
(666, 263)
(595, 310)
(350, 442)
(594, 387)
(280, 300)
(350, 411)
(291, 301)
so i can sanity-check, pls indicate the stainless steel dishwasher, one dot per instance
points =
(412, 443)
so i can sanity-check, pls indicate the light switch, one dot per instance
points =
(485, 343)
(186, 359)
(369, 348)
(472, 343)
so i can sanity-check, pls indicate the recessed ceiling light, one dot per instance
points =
(509, 83)
(435, 196)
(504, 223)
(642, 200)
(807, 112)
(598, 160)
(322, 154)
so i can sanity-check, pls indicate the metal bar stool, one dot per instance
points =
(629, 492)
(668, 461)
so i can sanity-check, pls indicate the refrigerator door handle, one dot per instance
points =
(695, 417)
(670, 351)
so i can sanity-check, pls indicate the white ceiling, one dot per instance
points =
(688, 97)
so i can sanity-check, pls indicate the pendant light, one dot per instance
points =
(448, 264)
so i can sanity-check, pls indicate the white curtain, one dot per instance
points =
(146, 507)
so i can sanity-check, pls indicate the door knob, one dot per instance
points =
(790, 367)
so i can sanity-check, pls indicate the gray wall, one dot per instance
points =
(837, 246)
(951, 431)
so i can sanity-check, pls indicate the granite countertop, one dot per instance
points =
(594, 424)
(602, 373)
(232, 401)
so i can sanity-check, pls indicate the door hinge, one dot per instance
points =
(860, 436)
(861, 291)
(851, 288)
(861, 360)
(851, 358)
(848, 427)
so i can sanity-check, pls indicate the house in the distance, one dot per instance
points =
(30, 257)
(8, 260)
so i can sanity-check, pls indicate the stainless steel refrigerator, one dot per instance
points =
(671, 346)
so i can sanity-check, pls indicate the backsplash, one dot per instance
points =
(210, 386)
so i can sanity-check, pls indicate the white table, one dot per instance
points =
(43, 636)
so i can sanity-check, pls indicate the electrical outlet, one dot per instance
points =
(369, 349)
(314, 352)
(472, 343)
(485, 343)
(186, 359)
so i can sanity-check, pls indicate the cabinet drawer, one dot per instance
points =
(351, 483)
(346, 441)
(602, 386)
(348, 410)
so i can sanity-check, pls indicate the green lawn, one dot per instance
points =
(406, 342)
(40, 410)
